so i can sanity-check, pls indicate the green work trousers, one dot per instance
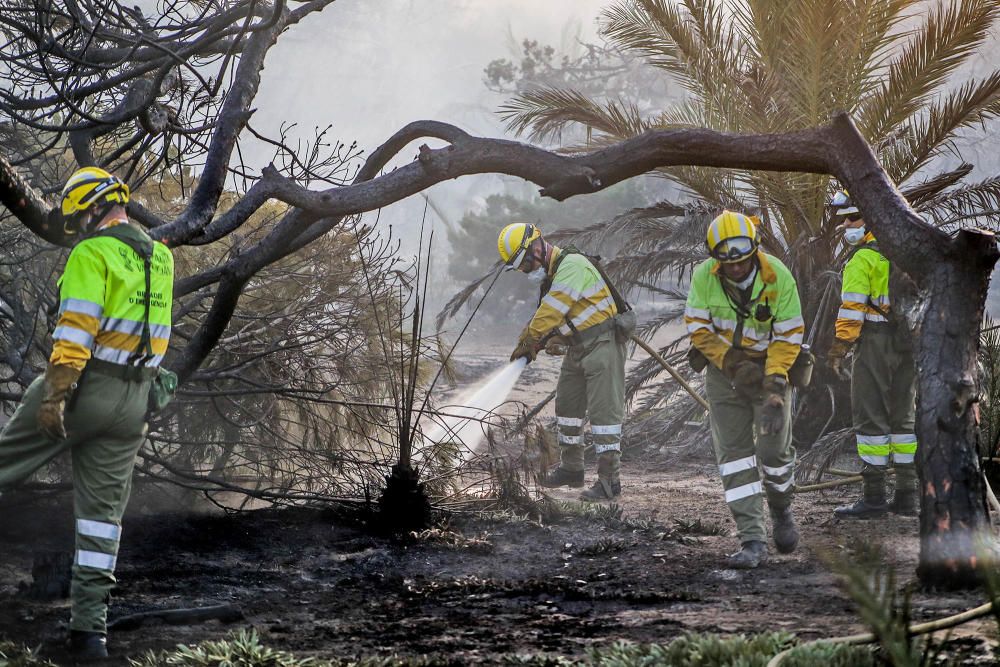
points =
(883, 397)
(592, 383)
(105, 428)
(743, 452)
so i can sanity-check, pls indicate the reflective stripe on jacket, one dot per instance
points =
(578, 294)
(712, 320)
(866, 282)
(101, 303)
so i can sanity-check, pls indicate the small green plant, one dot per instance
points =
(241, 648)
(15, 655)
(699, 527)
(709, 650)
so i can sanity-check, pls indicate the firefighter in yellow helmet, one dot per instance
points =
(746, 326)
(578, 309)
(883, 379)
(112, 331)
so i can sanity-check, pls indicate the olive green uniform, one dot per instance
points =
(100, 331)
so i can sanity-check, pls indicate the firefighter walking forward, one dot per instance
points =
(744, 318)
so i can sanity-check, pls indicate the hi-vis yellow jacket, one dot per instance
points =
(865, 286)
(101, 305)
(713, 321)
(578, 295)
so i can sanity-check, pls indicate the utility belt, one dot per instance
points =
(128, 373)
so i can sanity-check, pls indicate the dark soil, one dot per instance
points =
(315, 582)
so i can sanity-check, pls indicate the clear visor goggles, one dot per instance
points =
(520, 254)
(734, 249)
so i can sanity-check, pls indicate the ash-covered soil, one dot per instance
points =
(475, 590)
(316, 583)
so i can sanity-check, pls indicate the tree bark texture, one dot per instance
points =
(949, 275)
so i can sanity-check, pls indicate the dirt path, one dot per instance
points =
(309, 582)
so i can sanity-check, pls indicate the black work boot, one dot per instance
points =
(86, 646)
(562, 477)
(752, 554)
(872, 503)
(904, 500)
(783, 530)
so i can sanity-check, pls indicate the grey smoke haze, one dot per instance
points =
(368, 68)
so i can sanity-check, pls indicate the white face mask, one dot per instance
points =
(537, 276)
(854, 235)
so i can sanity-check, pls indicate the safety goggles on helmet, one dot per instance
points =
(843, 207)
(521, 253)
(734, 249)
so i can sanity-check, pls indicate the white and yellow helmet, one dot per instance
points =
(732, 237)
(90, 186)
(842, 205)
(514, 239)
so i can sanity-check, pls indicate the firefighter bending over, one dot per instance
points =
(579, 309)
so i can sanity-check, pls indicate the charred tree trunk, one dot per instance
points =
(954, 526)
(949, 278)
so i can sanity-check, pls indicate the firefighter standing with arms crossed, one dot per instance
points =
(883, 379)
(112, 332)
(744, 318)
(577, 308)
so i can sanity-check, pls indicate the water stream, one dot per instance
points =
(477, 403)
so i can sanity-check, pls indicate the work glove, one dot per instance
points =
(836, 359)
(60, 380)
(526, 348)
(745, 373)
(772, 416)
(557, 345)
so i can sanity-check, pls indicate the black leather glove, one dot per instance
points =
(772, 417)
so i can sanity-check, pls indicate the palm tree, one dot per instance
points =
(763, 66)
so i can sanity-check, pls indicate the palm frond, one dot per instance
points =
(456, 302)
(973, 103)
(917, 194)
(949, 35)
(875, 34)
(666, 43)
(545, 112)
(976, 204)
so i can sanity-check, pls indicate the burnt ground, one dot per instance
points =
(315, 582)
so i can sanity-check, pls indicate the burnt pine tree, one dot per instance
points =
(105, 84)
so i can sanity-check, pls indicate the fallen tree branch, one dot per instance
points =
(913, 631)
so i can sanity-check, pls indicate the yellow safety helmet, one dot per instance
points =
(89, 186)
(732, 237)
(843, 206)
(514, 239)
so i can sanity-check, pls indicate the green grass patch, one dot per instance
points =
(244, 649)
